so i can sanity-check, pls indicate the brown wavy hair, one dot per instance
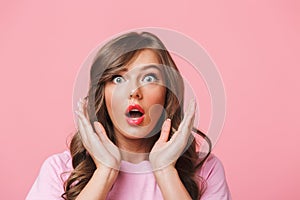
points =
(109, 61)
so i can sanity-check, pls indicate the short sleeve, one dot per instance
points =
(216, 185)
(50, 181)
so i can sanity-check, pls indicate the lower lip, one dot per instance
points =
(135, 121)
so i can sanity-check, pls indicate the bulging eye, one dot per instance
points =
(150, 78)
(118, 79)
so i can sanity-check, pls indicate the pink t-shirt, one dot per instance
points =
(135, 181)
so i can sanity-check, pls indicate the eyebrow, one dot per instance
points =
(144, 67)
(151, 66)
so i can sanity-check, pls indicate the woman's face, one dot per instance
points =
(135, 97)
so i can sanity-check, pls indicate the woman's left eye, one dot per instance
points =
(150, 78)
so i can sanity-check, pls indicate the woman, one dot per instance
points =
(133, 119)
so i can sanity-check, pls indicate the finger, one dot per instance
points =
(99, 128)
(184, 131)
(84, 137)
(188, 115)
(192, 113)
(109, 145)
(165, 131)
(187, 127)
(86, 124)
(101, 131)
(81, 130)
(93, 144)
(82, 107)
(79, 105)
(90, 140)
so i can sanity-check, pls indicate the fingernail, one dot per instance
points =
(166, 125)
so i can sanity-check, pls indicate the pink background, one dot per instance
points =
(254, 44)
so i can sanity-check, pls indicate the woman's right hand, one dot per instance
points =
(105, 154)
(99, 146)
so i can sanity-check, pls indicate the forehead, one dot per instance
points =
(144, 57)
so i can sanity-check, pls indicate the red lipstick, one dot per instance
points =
(134, 114)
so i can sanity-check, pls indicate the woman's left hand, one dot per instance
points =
(164, 152)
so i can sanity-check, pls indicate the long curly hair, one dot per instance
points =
(109, 61)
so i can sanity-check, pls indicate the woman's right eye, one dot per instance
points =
(118, 79)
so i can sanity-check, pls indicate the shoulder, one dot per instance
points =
(213, 173)
(59, 164)
(59, 161)
(211, 166)
(54, 172)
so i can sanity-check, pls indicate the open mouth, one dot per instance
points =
(134, 114)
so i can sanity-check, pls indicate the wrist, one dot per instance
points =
(106, 173)
(170, 184)
(100, 184)
(169, 170)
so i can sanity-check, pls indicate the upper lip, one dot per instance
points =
(134, 107)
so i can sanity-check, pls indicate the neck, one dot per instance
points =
(134, 150)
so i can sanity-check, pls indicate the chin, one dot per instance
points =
(138, 132)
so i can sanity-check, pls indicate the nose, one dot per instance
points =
(136, 93)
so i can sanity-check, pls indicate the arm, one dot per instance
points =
(214, 174)
(164, 155)
(102, 180)
(170, 184)
(105, 155)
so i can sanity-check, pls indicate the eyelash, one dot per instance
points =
(153, 75)
(114, 77)
(150, 74)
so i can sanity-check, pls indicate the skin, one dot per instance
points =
(140, 84)
(164, 153)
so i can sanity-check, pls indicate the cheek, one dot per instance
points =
(108, 96)
(114, 99)
(155, 101)
(157, 96)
